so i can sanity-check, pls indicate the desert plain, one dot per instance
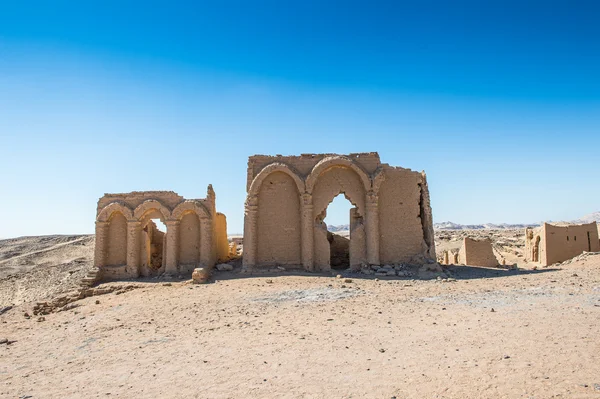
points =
(471, 332)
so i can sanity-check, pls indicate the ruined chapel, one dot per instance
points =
(390, 220)
(130, 245)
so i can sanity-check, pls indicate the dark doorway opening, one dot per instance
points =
(338, 232)
(154, 243)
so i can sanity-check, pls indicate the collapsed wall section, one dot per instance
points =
(477, 253)
(400, 226)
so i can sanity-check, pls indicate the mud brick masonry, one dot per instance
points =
(391, 221)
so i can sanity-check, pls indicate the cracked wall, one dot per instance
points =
(287, 201)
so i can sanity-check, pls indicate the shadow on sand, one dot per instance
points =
(456, 272)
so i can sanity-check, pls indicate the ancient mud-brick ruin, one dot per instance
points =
(477, 253)
(549, 243)
(390, 223)
(129, 244)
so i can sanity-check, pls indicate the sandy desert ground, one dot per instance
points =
(472, 333)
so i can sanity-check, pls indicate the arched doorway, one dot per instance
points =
(339, 181)
(153, 245)
(116, 242)
(337, 221)
(152, 216)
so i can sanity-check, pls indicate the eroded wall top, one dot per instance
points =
(304, 163)
(170, 199)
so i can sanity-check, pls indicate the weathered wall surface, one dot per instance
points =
(135, 198)
(535, 250)
(279, 221)
(303, 164)
(321, 247)
(477, 253)
(400, 228)
(393, 210)
(221, 236)
(358, 249)
(117, 242)
(152, 251)
(333, 182)
(189, 242)
(128, 245)
(552, 243)
(565, 242)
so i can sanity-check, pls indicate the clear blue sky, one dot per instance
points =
(499, 102)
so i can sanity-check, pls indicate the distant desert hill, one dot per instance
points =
(485, 226)
(341, 227)
(591, 217)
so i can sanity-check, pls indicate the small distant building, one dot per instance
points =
(549, 243)
(477, 253)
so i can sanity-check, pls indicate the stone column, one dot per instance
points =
(171, 266)
(206, 243)
(250, 233)
(307, 232)
(134, 229)
(101, 237)
(372, 227)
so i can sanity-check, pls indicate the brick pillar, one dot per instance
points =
(307, 232)
(172, 252)
(134, 229)
(250, 233)
(372, 227)
(100, 250)
(206, 243)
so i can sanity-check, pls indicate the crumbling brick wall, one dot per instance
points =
(288, 197)
(400, 223)
(477, 253)
(128, 245)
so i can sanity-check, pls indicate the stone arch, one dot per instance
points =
(149, 205)
(332, 162)
(334, 179)
(190, 206)
(152, 246)
(108, 210)
(356, 196)
(278, 220)
(194, 235)
(116, 239)
(272, 168)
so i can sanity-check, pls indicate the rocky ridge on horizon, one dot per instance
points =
(589, 218)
